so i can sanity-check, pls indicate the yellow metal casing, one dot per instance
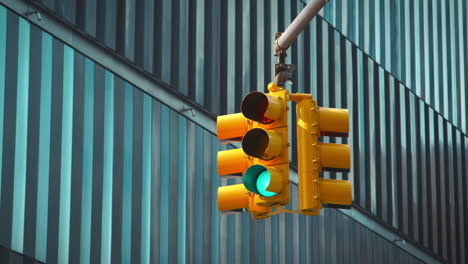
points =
(268, 143)
(334, 157)
(257, 211)
(314, 156)
(336, 191)
(333, 122)
(308, 156)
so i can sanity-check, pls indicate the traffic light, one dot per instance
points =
(266, 142)
(315, 156)
(263, 160)
(232, 164)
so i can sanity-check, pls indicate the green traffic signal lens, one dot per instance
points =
(263, 181)
(256, 179)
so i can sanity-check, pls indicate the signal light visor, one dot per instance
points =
(232, 161)
(231, 126)
(260, 107)
(335, 157)
(232, 197)
(336, 191)
(333, 122)
(262, 144)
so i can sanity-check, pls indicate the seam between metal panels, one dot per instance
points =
(389, 73)
(120, 66)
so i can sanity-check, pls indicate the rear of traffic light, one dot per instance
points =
(315, 156)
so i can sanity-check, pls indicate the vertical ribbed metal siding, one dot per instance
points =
(128, 179)
(422, 43)
(395, 197)
(201, 47)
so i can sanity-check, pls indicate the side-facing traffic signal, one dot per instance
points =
(315, 156)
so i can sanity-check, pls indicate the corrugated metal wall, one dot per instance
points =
(8, 256)
(197, 44)
(423, 43)
(409, 162)
(94, 169)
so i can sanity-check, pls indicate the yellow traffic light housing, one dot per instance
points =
(263, 160)
(315, 156)
(267, 143)
(232, 197)
(233, 163)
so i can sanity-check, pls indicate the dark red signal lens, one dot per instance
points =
(254, 106)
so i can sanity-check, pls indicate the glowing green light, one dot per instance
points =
(263, 181)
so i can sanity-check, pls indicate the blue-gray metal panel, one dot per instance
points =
(434, 238)
(450, 197)
(417, 29)
(190, 194)
(137, 177)
(463, 48)
(382, 146)
(442, 184)
(207, 197)
(373, 125)
(97, 117)
(32, 158)
(77, 162)
(393, 128)
(360, 129)
(424, 162)
(444, 50)
(459, 199)
(413, 178)
(88, 18)
(117, 172)
(405, 166)
(9, 126)
(55, 151)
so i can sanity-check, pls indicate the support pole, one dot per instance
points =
(304, 17)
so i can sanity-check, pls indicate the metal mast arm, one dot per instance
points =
(283, 42)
